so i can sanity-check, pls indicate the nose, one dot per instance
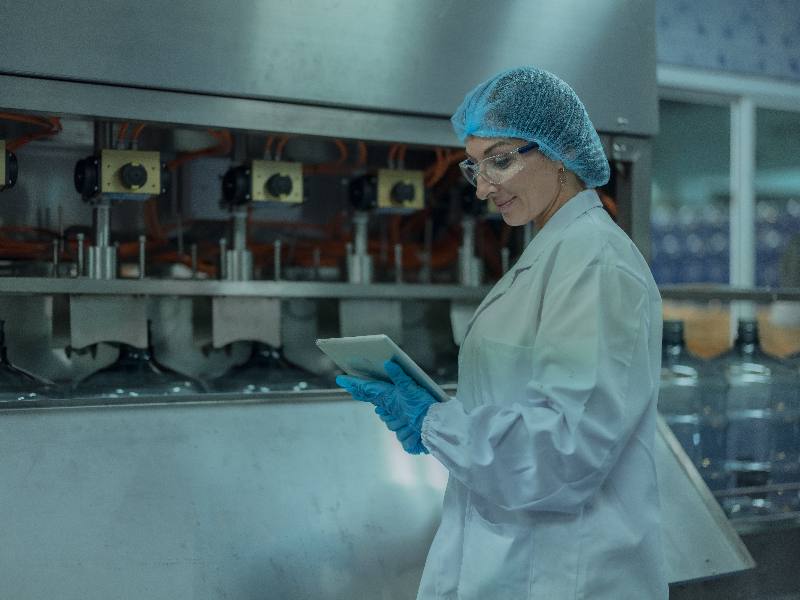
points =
(484, 188)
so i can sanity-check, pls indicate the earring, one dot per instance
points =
(562, 177)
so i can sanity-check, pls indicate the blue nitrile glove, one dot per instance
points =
(408, 438)
(405, 400)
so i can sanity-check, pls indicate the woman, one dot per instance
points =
(552, 491)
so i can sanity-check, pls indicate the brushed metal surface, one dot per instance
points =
(136, 104)
(272, 289)
(312, 500)
(296, 495)
(409, 57)
(699, 541)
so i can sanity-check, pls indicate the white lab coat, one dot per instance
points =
(552, 491)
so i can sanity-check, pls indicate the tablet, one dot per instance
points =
(363, 356)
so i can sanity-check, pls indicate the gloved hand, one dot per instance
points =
(408, 438)
(404, 399)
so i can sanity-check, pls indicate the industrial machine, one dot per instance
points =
(236, 253)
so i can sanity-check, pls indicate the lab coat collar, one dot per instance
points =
(573, 209)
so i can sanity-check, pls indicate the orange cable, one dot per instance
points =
(122, 131)
(281, 144)
(53, 127)
(137, 131)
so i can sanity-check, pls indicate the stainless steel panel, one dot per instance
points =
(314, 500)
(272, 289)
(134, 104)
(245, 319)
(699, 541)
(95, 319)
(306, 497)
(371, 317)
(410, 57)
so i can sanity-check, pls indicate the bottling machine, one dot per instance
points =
(199, 203)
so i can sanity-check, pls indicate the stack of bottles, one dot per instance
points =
(736, 417)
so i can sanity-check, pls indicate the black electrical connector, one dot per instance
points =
(87, 177)
(363, 192)
(166, 178)
(12, 169)
(236, 186)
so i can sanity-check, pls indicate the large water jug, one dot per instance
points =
(760, 386)
(136, 373)
(691, 399)
(786, 454)
(17, 384)
(268, 371)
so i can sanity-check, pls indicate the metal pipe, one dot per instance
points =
(142, 241)
(55, 257)
(102, 225)
(193, 250)
(317, 260)
(277, 260)
(223, 258)
(80, 265)
(398, 263)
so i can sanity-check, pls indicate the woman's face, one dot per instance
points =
(532, 194)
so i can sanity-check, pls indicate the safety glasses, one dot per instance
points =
(498, 168)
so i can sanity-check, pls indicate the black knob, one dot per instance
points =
(12, 169)
(403, 192)
(85, 177)
(236, 186)
(279, 185)
(133, 176)
(363, 192)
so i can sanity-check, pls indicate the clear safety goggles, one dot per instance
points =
(498, 168)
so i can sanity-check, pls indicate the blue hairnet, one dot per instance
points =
(536, 106)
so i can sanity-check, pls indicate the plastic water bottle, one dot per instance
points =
(760, 386)
(691, 399)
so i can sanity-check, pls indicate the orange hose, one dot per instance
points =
(122, 131)
(137, 131)
(401, 155)
(53, 127)
(281, 144)
(268, 144)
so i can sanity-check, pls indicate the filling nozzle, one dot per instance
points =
(470, 272)
(359, 262)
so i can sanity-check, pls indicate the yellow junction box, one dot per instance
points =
(269, 178)
(390, 181)
(112, 163)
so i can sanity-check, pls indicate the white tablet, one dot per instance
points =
(363, 356)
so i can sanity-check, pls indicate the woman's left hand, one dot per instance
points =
(403, 399)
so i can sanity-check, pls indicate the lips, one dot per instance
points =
(504, 205)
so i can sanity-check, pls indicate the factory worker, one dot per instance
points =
(552, 491)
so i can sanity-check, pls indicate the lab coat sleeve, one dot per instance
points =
(552, 443)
